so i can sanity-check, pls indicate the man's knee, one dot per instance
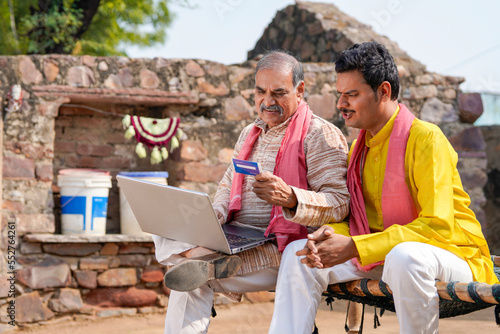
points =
(294, 247)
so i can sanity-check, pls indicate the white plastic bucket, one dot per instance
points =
(84, 200)
(128, 223)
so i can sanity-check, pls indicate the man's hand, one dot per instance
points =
(325, 249)
(220, 217)
(274, 190)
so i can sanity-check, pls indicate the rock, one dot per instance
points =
(134, 260)
(208, 88)
(110, 248)
(216, 69)
(323, 105)
(5, 285)
(72, 249)
(194, 69)
(201, 172)
(80, 76)
(29, 73)
(95, 263)
(126, 78)
(470, 107)
(225, 155)
(113, 81)
(49, 273)
(50, 70)
(424, 79)
(238, 74)
(44, 172)
(36, 223)
(29, 308)
(152, 274)
(86, 278)
(119, 297)
(134, 248)
(66, 301)
(422, 92)
(102, 66)
(149, 79)
(468, 140)
(450, 93)
(18, 168)
(192, 150)
(435, 111)
(237, 109)
(118, 277)
(31, 247)
(88, 60)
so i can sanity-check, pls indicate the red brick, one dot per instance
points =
(116, 138)
(89, 162)
(18, 168)
(64, 146)
(64, 121)
(97, 123)
(44, 172)
(94, 150)
(12, 206)
(71, 249)
(134, 249)
(115, 163)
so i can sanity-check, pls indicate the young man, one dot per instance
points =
(410, 224)
(303, 185)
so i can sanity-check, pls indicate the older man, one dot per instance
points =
(408, 208)
(303, 186)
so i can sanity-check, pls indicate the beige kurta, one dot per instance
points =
(326, 200)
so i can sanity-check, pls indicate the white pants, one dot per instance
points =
(410, 270)
(189, 312)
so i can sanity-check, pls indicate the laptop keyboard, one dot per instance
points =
(236, 240)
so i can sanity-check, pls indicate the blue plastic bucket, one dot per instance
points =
(84, 200)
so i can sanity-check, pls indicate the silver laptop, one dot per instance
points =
(185, 215)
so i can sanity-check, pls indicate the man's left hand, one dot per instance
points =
(274, 190)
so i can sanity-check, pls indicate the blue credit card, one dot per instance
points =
(246, 167)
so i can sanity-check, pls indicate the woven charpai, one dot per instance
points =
(455, 298)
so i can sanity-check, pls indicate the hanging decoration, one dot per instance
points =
(160, 135)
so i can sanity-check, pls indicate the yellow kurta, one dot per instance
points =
(444, 218)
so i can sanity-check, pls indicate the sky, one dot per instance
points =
(452, 37)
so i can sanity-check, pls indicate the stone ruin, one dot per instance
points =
(71, 118)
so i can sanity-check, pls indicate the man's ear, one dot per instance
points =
(385, 91)
(300, 90)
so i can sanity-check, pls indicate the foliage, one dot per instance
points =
(94, 27)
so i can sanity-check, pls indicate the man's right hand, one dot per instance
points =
(325, 249)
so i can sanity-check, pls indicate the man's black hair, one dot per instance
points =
(374, 61)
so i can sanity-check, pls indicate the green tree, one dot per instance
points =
(94, 27)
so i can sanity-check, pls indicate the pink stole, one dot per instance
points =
(397, 204)
(290, 166)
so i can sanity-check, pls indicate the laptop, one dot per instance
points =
(185, 215)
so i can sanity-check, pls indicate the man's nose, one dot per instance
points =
(269, 100)
(342, 102)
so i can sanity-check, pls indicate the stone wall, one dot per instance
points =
(491, 136)
(71, 118)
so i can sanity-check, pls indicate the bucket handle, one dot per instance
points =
(72, 198)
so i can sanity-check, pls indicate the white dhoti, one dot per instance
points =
(411, 270)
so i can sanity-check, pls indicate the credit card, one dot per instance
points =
(246, 167)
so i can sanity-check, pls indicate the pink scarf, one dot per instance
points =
(397, 204)
(290, 166)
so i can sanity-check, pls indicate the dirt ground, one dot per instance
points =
(247, 318)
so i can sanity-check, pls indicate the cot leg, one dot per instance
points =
(354, 316)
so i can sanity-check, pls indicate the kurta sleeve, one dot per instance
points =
(327, 199)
